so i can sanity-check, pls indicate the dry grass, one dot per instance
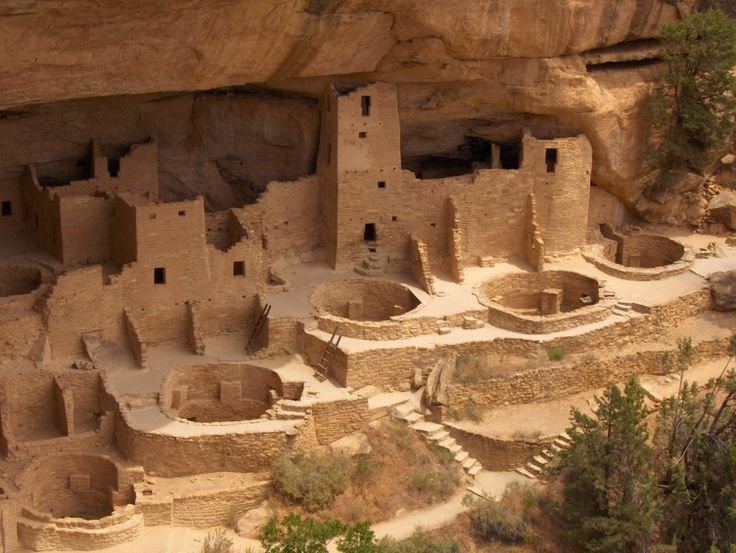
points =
(402, 473)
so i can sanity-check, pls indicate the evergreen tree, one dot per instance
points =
(609, 494)
(696, 440)
(695, 101)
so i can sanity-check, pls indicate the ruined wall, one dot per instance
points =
(11, 208)
(335, 419)
(421, 268)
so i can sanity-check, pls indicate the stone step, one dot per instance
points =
(562, 444)
(651, 394)
(476, 491)
(475, 469)
(292, 405)
(555, 448)
(426, 427)
(469, 462)
(534, 468)
(412, 417)
(438, 436)
(462, 456)
(548, 454)
(524, 472)
(447, 443)
(403, 409)
(565, 436)
(283, 415)
(540, 460)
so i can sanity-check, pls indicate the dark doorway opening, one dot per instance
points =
(159, 275)
(6, 209)
(369, 232)
(238, 268)
(510, 155)
(113, 166)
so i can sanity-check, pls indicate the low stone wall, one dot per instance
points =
(203, 509)
(335, 419)
(554, 381)
(509, 319)
(496, 453)
(639, 273)
(41, 532)
(363, 299)
(397, 328)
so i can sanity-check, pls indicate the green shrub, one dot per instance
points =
(419, 542)
(313, 480)
(556, 353)
(217, 542)
(435, 485)
(365, 469)
(495, 522)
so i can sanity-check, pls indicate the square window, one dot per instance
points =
(182, 213)
(159, 275)
(362, 134)
(394, 218)
(381, 184)
(6, 208)
(238, 268)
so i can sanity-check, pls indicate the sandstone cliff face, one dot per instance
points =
(470, 68)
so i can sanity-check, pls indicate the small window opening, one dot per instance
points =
(381, 184)
(151, 215)
(238, 268)
(6, 208)
(433, 225)
(362, 134)
(159, 275)
(113, 166)
(394, 218)
(182, 213)
(371, 250)
(369, 233)
(550, 158)
(365, 105)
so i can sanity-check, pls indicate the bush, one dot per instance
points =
(495, 522)
(313, 480)
(556, 354)
(217, 542)
(435, 485)
(419, 542)
(365, 470)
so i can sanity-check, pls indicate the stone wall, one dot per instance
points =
(533, 239)
(495, 453)
(363, 299)
(421, 268)
(335, 419)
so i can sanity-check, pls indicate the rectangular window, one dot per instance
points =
(182, 213)
(362, 134)
(151, 215)
(159, 275)
(369, 232)
(550, 159)
(381, 184)
(365, 105)
(238, 268)
(6, 208)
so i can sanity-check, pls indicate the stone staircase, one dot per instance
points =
(286, 409)
(624, 309)
(372, 265)
(438, 433)
(536, 466)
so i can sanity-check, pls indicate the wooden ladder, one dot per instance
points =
(327, 356)
(260, 323)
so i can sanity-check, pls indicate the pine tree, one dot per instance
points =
(696, 99)
(609, 494)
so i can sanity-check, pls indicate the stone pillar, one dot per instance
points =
(551, 301)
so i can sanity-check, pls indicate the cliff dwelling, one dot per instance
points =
(196, 284)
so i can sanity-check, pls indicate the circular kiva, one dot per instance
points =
(18, 280)
(220, 392)
(363, 299)
(548, 301)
